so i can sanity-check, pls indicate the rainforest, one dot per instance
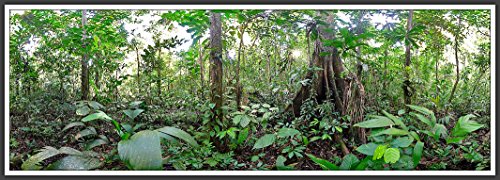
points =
(105, 89)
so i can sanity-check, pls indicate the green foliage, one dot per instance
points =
(417, 152)
(391, 155)
(132, 114)
(97, 116)
(75, 160)
(159, 105)
(380, 121)
(379, 152)
(349, 162)
(367, 149)
(264, 141)
(465, 126)
(324, 164)
(142, 151)
(287, 132)
(172, 131)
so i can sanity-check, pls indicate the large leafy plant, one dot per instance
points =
(398, 137)
(142, 150)
(139, 151)
(74, 159)
(463, 127)
(392, 141)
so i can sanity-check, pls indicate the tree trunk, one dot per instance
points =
(457, 62)
(359, 30)
(328, 85)
(158, 72)
(216, 72)
(384, 83)
(436, 108)
(85, 70)
(406, 84)
(138, 70)
(26, 83)
(240, 51)
(200, 58)
(97, 83)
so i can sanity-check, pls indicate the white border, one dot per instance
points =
(8, 172)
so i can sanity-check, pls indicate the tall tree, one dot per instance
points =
(328, 84)
(457, 62)
(216, 63)
(216, 71)
(85, 70)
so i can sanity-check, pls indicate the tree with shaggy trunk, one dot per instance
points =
(328, 84)
(216, 72)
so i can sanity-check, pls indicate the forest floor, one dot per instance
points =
(33, 131)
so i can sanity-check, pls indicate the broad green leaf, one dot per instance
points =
(363, 164)
(95, 105)
(454, 140)
(94, 143)
(280, 161)
(237, 119)
(324, 164)
(86, 132)
(82, 111)
(76, 163)
(243, 135)
(379, 152)
(375, 123)
(71, 125)
(424, 111)
(127, 127)
(33, 162)
(367, 149)
(99, 115)
(167, 137)
(287, 132)
(245, 120)
(391, 155)
(264, 141)
(392, 131)
(395, 119)
(280, 164)
(142, 151)
(70, 151)
(439, 131)
(417, 152)
(178, 133)
(465, 126)
(132, 114)
(422, 118)
(349, 162)
(402, 141)
(415, 135)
